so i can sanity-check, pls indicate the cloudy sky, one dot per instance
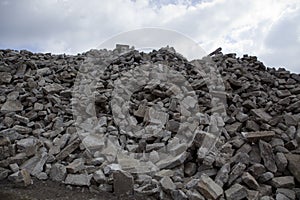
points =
(269, 29)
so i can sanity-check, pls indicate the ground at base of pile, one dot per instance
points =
(51, 191)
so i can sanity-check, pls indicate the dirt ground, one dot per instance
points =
(48, 190)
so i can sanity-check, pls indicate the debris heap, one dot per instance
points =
(151, 124)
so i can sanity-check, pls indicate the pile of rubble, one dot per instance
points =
(151, 124)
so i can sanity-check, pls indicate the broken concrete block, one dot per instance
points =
(236, 192)
(250, 181)
(208, 188)
(267, 155)
(68, 149)
(12, 106)
(255, 136)
(283, 182)
(293, 165)
(78, 179)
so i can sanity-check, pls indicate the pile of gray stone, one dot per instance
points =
(151, 124)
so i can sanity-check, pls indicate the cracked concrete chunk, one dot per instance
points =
(283, 182)
(12, 106)
(236, 192)
(208, 188)
(267, 155)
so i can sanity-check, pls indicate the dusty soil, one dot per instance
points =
(42, 190)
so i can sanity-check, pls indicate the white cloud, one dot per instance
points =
(72, 26)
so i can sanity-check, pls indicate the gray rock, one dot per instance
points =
(167, 184)
(223, 175)
(236, 171)
(280, 196)
(281, 161)
(178, 195)
(250, 181)
(283, 182)
(58, 172)
(12, 106)
(261, 114)
(22, 129)
(255, 136)
(236, 192)
(266, 177)
(5, 77)
(14, 167)
(76, 166)
(194, 195)
(35, 165)
(78, 179)
(291, 194)
(68, 149)
(99, 176)
(123, 183)
(21, 177)
(293, 166)
(267, 155)
(208, 188)
(53, 88)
